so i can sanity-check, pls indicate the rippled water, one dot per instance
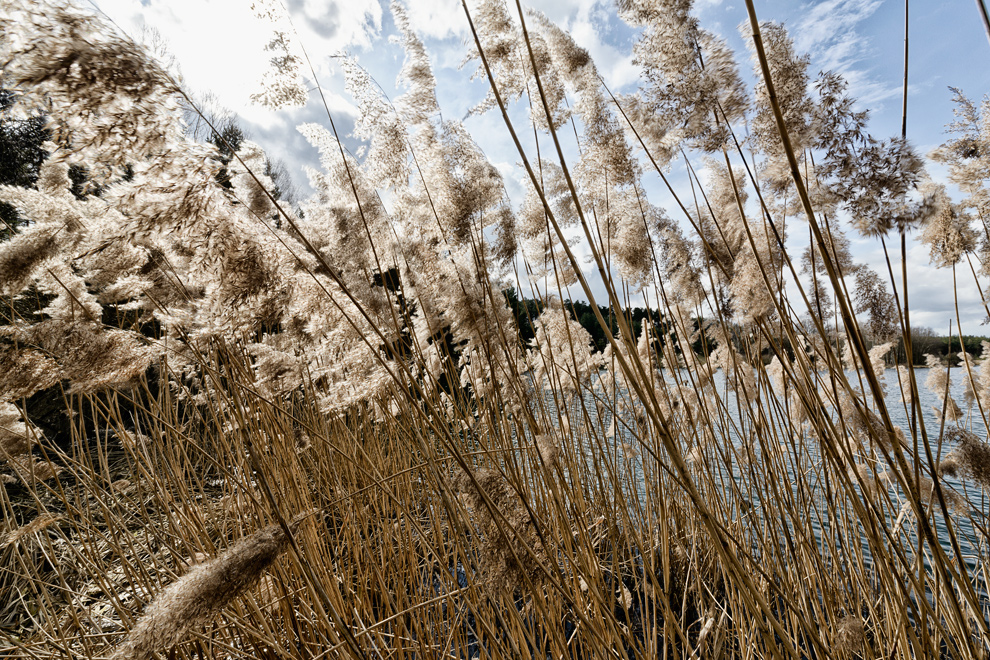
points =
(634, 468)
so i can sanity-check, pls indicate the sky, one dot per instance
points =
(218, 46)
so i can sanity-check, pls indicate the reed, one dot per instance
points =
(232, 428)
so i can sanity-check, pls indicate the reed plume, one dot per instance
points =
(970, 458)
(197, 597)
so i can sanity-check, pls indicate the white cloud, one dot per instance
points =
(514, 178)
(825, 24)
(615, 66)
(931, 293)
(336, 25)
(827, 32)
(437, 19)
(868, 91)
(219, 45)
(932, 300)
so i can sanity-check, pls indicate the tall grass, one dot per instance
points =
(318, 433)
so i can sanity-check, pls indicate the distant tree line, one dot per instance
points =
(925, 341)
(527, 311)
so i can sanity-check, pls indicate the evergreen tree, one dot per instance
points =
(21, 155)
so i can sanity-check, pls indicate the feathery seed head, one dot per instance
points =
(850, 634)
(197, 597)
(970, 458)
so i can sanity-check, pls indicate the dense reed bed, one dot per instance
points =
(315, 432)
